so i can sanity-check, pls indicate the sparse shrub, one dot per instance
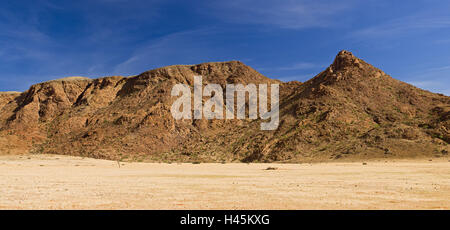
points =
(271, 168)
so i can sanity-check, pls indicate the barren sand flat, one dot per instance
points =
(63, 182)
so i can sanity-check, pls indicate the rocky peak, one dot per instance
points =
(345, 59)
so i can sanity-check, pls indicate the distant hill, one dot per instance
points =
(351, 110)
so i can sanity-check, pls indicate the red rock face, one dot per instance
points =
(350, 110)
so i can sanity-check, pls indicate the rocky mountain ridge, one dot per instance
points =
(351, 110)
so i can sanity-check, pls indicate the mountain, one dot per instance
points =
(351, 110)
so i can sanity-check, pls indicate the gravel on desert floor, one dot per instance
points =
(65, 182)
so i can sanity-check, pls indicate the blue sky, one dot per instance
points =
(288, 40)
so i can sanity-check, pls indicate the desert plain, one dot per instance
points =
(38, 181)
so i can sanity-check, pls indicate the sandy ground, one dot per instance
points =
(63, 182)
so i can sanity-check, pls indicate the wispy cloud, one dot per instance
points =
(442, 68)
(301, 66)
(290, 14)
(434, 79)
(442, 41)
(20, 37)
(403, 26)
(294, 66)
(301, 78)
(435, 86)
(185, 47)
(32, 46)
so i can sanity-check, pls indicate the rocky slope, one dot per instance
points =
(350, 110)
